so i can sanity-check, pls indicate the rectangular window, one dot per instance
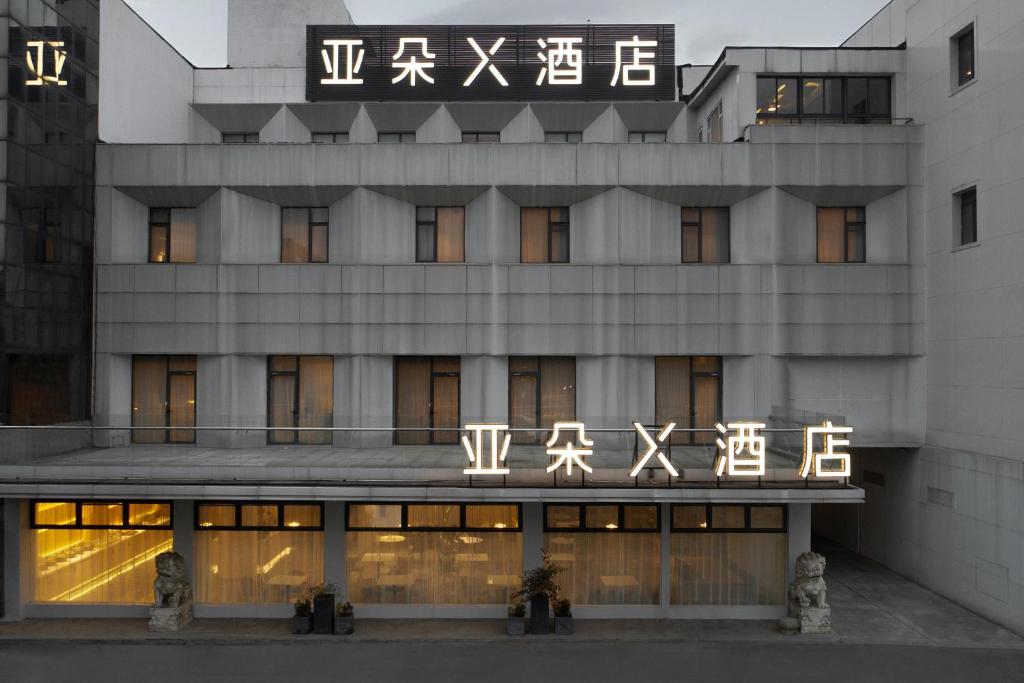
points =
(705, 235)
(841, 234)
(37, 389)
(300, 394)
(427, 398)
(541, 391)
(395, 137)
(544, 235)
(564, 136)
(164, 396)
(688, 391)
(611, 552)
(963, 56)
(728, 554)
(330, 137)
(304, 235)
(965, 204)
(821, 99)
(172, 235)
(715, 124)
(97, 552)
(440, 234)
(481, 137)
(42, 235)
(239, 138)
(646, 136)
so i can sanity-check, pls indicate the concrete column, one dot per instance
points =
(533, 534)
(184, 536)
(10, 559)
(334, 548)
(799, 534)
(666, 556)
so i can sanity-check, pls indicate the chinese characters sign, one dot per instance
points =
(503, 63)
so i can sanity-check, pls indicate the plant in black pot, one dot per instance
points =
(344, 619)
(540, 589)
(516, 619)
(302, 621)
(323, 607)
(563, 618)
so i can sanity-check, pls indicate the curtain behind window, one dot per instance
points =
(557, 391)
(256, 567)
(412, 399)
(728, 569)
(183, 235)
(831, 235)
(533, 235)
(149, 396)
(316, 397)
(672, 394)
(294, 235)
(608, 568)
(715, 235)
(451, 234)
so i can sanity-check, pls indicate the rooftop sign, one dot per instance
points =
(602, 62)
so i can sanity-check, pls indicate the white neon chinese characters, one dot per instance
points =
(569, 454)
(482, 464)
(411, 67)
(485, 62)
(352, 58)
(563, 61)
(813, 461)
(742, 453)
(654, 446)
(635, 72)
(35, 63)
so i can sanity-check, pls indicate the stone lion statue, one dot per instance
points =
(808, 585)
(170, 588)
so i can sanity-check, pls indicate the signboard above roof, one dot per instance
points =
(596, 62)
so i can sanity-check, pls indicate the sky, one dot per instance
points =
(198, 28)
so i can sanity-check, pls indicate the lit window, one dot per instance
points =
(163, 399)
(705, 235)
(819, 99)
(301, 395)
(542, 391)
(841, 234)
(688, 391)
(440, 234)
(172, 235)
(304, 235)
(427, 399)
(963, 56)
(544, 235)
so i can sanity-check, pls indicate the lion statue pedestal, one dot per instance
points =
(808, 611)
(172, 607)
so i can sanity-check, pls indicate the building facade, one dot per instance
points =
(308, 289)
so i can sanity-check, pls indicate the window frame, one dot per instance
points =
(125, 503)
(297, 373)
(421, 223)
(715, 116)
(434, 374)
(168, 226)
(311, 225)
(843, 117)
(849, 227)
(958, 215)
(46, 239)
(168, 373)
(538, 393)
(247, 138)
(238, 505)
(643, 134)
(683, 224)
(400, 135)
(689, 438)
(463, 526)
(553, 227)
(956, 76)
(334, 137)
(709, 517)
(548, 135)
(584, 529)
(473, 137)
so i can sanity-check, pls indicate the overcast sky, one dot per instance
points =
(198, 28)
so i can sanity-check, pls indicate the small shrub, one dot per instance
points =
(517, 609)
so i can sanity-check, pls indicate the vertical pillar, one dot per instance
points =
(11, 527)
(334, 548)
(799, 534)
(666, 558)
(184, 536)
(533, 534)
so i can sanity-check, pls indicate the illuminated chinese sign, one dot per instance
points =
(512, 63)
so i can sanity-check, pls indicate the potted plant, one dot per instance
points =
(323, 607)
(516, 618)
(540, 589)
(302, 621)
(563, 618)
(344, 619)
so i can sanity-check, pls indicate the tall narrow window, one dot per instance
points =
(966, 205)
(688, 391)
(491, 136)
(42, 235)
(544, 235)
(164, 395)
(427, 398)
(705, 235)
(715, 124)
(301, 394)
(963, 56)
(172, 235)
(440, 234)
(304, 235)
(541, 391)
(841, 234)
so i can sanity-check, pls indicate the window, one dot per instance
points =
(393, 137)
(239, 138)
(962, 57)
(304, 235)
(42, 235)
(564, 136)
(440, 234)
(172, 235)
(97, 551)
(301, 394)
(646, 136)
(481, 137)
(688, 391)
(728, 554)
(705, 235)
(544, 235)
(715, 124)
(611, 552)
(257, 553)
(700, 134)
(330, 137)
(427, 398)
(841, 235)
(37, 389)
(965, 205)
(433, 554)
(164, 395)
(821, 99)
(541, 391)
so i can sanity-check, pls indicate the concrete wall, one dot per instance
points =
(264, 33)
